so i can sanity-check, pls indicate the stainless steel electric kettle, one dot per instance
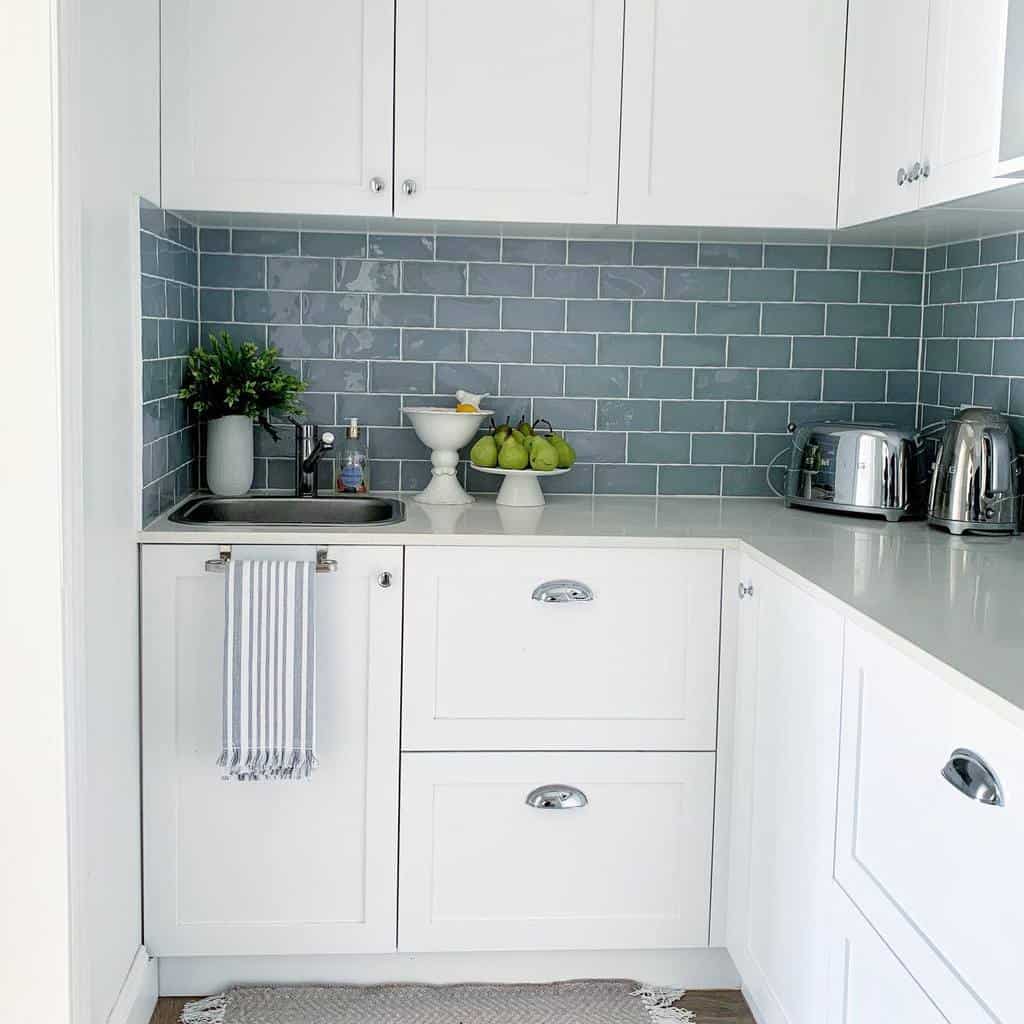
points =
(976, 477)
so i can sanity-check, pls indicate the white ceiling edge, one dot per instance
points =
(991, 213)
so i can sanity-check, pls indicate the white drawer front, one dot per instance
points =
(937, 873)
(482, 870)
(488, 666)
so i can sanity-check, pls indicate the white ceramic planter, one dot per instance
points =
(229, 455)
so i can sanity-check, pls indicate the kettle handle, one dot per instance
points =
(997, 466)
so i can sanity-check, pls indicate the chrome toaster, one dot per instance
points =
(854, 467)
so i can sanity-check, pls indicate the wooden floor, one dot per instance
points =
(713, 1006)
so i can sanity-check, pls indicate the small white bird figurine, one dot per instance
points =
(467, 398)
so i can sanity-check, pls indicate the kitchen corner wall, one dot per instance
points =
(674, 367)
(974, 329)
(169, 264)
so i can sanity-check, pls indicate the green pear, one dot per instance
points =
(513, 455)
(565, 452)
(501, 434)
(484, 453)
(517, 437)
(524, 428)
(543, 456)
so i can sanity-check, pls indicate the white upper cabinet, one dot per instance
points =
(883, 112)
(277, 107)
(731, 113)
(921, 115)
(961, 107)
(1011, 134)
(508, 111)
(788, 695)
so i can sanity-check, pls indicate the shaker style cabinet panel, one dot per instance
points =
(932, 869)
(252, 868)
(277, 107)
(627, 660)
(786, 751)
(883, 109)
(508, 111)
(482, 869)
(867, 983)
(962, 89)
(1011, 66)
(731, 113)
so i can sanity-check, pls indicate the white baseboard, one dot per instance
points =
(137, 998)
(689, 968)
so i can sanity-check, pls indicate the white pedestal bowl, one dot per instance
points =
(521, 488)
(444, 432)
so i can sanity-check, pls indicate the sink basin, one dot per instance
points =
(357, 510)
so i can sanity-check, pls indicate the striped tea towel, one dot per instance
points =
(269, 727)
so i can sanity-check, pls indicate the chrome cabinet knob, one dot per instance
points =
(556, 798)
(926, 169)
(746, 590)
(915, 171)
(377, 185)
(384, 580)
(901, 176)
(967, 773)
(409, 187)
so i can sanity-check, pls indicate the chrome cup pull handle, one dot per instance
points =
(562, 592)
(556, 798)
(966, 772)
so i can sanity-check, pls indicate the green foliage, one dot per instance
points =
(229, 380)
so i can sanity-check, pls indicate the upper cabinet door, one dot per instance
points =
(278, 107)
(731, 113)
(883, 112)
(961, 107)
(508, 111)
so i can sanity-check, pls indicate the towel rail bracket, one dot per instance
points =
(220, 564)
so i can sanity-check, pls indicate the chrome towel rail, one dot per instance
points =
(220, 564)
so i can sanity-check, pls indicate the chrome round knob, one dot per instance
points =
(384, 580)
(377, 185)
(926, 169)
(327, 438)
(915, 172)
(901, 176)
(409, 187)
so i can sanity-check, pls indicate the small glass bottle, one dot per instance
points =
(353, 470)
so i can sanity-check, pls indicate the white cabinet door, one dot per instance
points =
(867, 984)
(731, 112)
(274, 867)
(508, 111)
(277, 107)
(937, 873)
(964, 82)
(883, 109)
(784, 795)
(489, 666)
(482, 870)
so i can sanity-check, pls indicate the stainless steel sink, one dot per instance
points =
(266, 510)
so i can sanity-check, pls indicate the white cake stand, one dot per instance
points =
(521, 488)
(444, 432)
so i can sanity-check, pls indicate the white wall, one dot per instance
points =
(34, 910)
(119, 69)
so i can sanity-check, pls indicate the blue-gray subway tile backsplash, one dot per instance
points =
(640, 349)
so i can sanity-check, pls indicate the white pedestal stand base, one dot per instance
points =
(444, 487)
(520, 491)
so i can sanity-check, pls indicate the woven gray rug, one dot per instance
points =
(565, 1002)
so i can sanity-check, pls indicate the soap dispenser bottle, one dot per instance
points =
(353, 475)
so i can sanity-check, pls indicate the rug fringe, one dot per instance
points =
(205, 1011)
(658, 1002)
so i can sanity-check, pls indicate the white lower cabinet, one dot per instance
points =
(935, 871)
(867, 983)
(277, 867)
(626, 660)
(481, 869)
(784, 792)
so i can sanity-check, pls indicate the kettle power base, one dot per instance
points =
(959, 527)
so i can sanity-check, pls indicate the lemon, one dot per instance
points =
(465, 407)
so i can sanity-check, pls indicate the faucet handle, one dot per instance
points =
(327, 439)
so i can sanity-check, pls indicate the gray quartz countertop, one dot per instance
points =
(954, 603)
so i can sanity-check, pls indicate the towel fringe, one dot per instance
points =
(657, 1001)
(296, 764)
(205, 1011)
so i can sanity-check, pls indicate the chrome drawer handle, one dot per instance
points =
(967, 772)
(562, 591)
(556, 798)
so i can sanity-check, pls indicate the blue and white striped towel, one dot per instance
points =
(269, 729)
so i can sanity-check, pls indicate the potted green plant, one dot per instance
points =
(229, 387)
